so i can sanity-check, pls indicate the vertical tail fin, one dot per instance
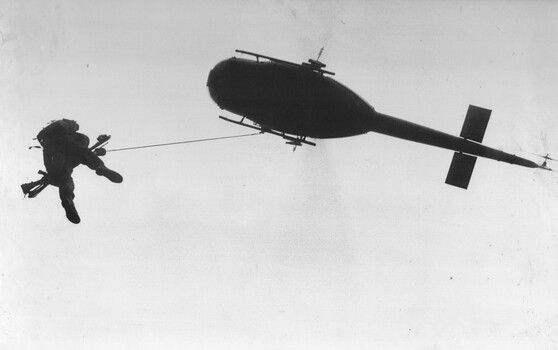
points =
(475, 123)
(462, 165)
(461, 170)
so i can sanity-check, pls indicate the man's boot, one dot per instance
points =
(71, 212)
(109, 174)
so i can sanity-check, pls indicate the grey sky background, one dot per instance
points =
(242, 244)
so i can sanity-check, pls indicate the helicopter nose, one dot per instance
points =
(222, 73)
(217, 81)
(213, 78)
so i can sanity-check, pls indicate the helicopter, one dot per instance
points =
(299, 101)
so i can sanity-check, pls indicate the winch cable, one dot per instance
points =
(182, 142)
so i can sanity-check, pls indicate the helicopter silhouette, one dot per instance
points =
(300, 101)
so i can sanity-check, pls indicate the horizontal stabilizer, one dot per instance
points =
(460, 170)
(475, 123)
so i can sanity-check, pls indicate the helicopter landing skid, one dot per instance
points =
(291, 140)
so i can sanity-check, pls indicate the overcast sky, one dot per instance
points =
(356, 243)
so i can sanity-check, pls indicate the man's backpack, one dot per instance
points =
(57, 129)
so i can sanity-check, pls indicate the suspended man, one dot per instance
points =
(64, 149)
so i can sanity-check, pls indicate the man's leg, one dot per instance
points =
(66, 191)
(95, 163)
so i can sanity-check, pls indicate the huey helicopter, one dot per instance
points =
(297, 101)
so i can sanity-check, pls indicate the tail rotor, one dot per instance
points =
(546, 159)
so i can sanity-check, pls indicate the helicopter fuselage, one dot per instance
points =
(290, 99)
